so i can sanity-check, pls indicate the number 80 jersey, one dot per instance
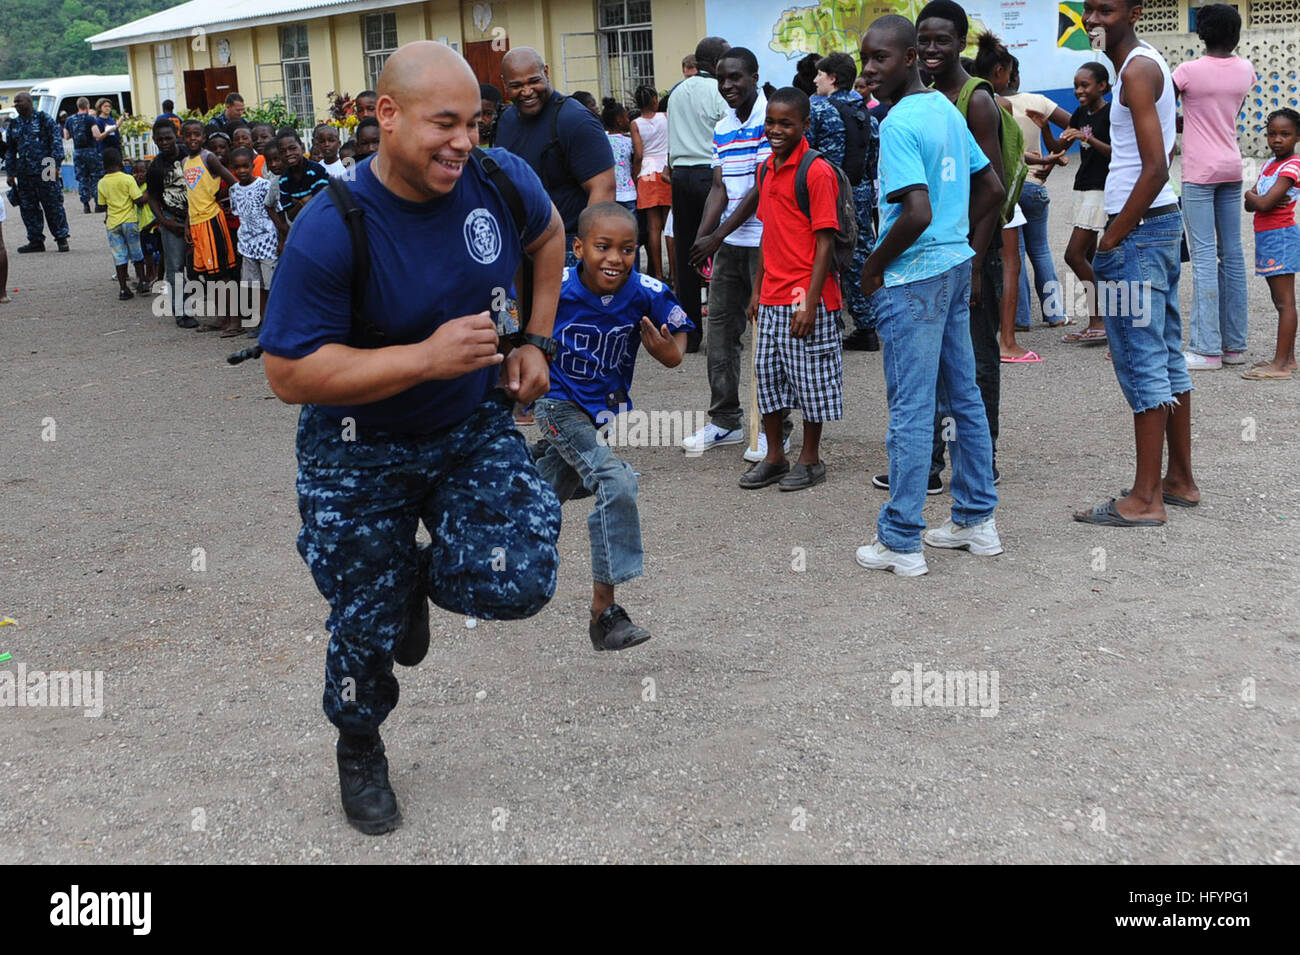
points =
(597, 338)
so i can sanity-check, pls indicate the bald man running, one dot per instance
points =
(413, 423)
(559, 138)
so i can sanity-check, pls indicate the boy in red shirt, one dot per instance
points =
(796, 299)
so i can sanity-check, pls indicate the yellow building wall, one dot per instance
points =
(337, 49)
(678, 26)
(324, 70)
(438, 19)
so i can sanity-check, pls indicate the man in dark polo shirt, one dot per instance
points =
(406, 415)
(569, 151)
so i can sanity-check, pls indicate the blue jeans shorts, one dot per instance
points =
(1277, 251)
(1137, 295)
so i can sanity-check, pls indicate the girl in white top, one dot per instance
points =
(649, 160)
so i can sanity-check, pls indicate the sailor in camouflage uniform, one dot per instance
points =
(86, 157)
(827, 135)
(34, 167)
(407, 415)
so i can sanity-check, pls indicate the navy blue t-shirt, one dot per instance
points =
(429, 262)
(79, 127)
(583, 152)
(597, 338)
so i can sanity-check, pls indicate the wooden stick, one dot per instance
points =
(756, 425)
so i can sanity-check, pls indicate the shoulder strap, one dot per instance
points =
(364, 333)
(968, 90)
(509, 191)
(801, 195)
(555, 120)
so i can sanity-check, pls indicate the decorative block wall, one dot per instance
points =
(1275, 54)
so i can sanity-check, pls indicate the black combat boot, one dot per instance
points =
(414, 642)
(368, 800)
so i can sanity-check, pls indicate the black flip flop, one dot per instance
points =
(1106, 515)
(1171, 499)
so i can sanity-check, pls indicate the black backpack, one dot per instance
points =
(554, 145)
(846, 235)
(364, 334)
(857, 137)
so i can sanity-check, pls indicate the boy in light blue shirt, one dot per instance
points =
(934, 181)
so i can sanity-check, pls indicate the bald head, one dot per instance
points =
(23, 103)
(418, 70)
(522, 58)
(527, 80)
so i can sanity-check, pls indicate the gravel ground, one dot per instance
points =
(1147, 680)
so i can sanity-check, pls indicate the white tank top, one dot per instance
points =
(1125, 160)
(654, 143)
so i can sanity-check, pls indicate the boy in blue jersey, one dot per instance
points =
(935, 181)
(603, 303)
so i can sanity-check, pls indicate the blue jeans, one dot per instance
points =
(493, 520)
(1034, 203)
(1219, 310)
(926, 346)
(1137, 295)
(575, 455)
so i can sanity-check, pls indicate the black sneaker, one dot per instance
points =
(613, 630)
(933, 487)
(186, 322)
(126, 295)
(368, 800)
(85, 207)
(414, 645)
(63, 245)
(862, 339)
(32, 247)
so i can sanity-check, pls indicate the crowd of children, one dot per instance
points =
(231, 196)
(943, 265)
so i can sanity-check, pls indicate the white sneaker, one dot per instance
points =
(1197, 362)
(1233, 358)
(876, 556)
(980, 539)
(755, 456)
(711, 436)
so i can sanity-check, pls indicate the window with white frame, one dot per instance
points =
(379, 41)
(625, 46)
(296, 64)
(164, 72)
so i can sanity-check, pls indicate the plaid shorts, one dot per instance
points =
(804, 373)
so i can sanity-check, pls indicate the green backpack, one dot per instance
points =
(1013, 146)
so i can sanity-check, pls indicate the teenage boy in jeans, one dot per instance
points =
(730, 234)
(942, 28)
(934, 181)
(1137, 257)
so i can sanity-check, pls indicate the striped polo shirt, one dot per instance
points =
(739, 148)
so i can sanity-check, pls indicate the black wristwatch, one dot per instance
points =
(545, 345)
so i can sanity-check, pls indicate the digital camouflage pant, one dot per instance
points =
(36, 194)
(89, 165)
(493, 520)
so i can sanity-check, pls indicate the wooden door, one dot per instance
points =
(219, 82)
(486, 61)
(196, 96)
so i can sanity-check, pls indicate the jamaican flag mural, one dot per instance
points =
(1048, 37)
(1070, 32)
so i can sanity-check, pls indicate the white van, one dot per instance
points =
(60, 95)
